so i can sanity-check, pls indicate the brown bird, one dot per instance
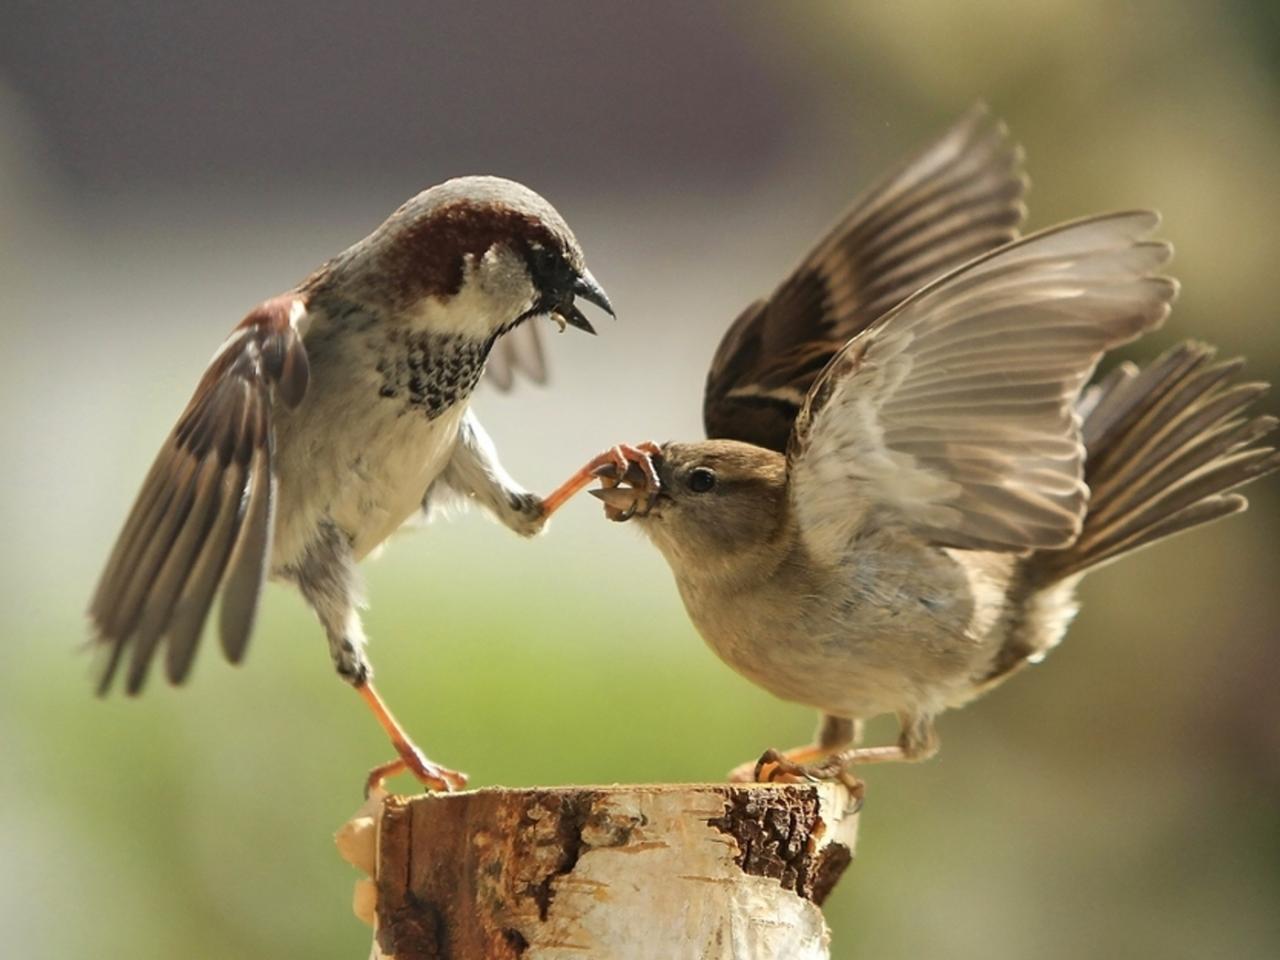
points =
(331, 415)
(906, 478)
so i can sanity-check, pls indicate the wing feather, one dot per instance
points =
(1166, 445)
(247, 568)
(955, 414)
(203, 517)
(193, 605)
(517, 351)
(957, 199)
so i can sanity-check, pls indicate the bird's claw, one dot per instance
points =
(633, 466)
(430, 774)
(619, 463)
(775, 767)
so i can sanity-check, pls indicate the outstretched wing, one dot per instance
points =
(517, 351)
(955, 413)
(203, 519)
(958, 199)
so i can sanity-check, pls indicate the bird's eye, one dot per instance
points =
(701, 480)
(544, 261)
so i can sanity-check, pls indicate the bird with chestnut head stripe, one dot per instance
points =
(333, 414)
(907, 476)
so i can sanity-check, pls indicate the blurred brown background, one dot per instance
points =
(163, 167)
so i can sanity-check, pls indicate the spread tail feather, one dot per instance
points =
(1165, 448)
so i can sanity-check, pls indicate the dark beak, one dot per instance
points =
(574, 318)
(584, 286)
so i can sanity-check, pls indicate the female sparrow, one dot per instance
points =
(901, 492)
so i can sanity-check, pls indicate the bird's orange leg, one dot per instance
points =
(613, 462)
(832, 760)
(430, 774)
(834, 735)
(779, 762)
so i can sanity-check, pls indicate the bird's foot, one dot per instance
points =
(749, 772)
(412, 760)
(634, 467)
(621, 462)
(429, 773)
(811, 764)
(527, 514)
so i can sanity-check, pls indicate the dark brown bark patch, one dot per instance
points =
(777, 836)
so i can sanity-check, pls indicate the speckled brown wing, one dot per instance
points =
(203, 519)
(957, 199)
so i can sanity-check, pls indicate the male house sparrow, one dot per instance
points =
(901, 492)
(333, 413)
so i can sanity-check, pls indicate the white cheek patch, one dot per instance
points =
(495, 290)
(299, 319)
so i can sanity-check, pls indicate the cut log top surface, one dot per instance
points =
(666, 871)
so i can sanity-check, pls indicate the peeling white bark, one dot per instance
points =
(704, 872)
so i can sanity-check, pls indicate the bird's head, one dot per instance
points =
(473, 256)
(714, 500)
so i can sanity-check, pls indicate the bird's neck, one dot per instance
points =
(728, 568)
(426, 370)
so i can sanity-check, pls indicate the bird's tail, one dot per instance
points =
(1165, 448)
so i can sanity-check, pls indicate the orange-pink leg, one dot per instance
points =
(612, 464)
(835, 754)
(754, 771)
(430, 774)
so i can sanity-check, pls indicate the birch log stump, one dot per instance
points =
(697, 871)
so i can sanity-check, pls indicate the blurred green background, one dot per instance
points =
(162, 169)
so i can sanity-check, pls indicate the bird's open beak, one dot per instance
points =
(586, 287)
